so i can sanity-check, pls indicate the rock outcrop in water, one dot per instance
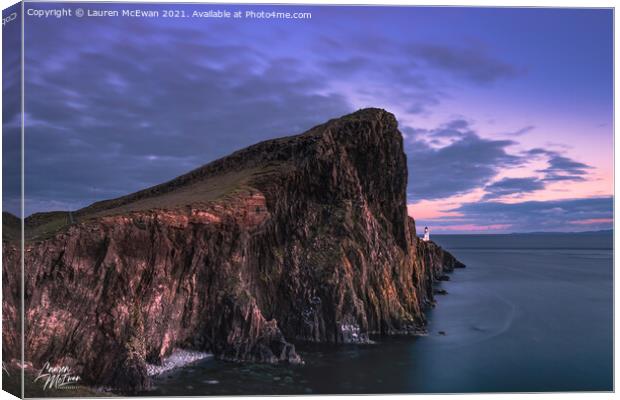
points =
(304, 238)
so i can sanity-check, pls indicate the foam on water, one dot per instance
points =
(178, 358)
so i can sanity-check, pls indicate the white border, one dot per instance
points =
(476, 3)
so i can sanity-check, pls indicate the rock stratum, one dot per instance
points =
(303, 238)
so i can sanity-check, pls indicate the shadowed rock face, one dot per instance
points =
(304, 238)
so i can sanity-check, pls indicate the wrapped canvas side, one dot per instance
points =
(12, 205)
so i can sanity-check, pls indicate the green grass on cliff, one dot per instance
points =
(224, 186)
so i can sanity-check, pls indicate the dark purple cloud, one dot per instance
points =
(540, 215)
(511, 186)
(467, 163)
(520, 131)
(560, 168)
(471, 63)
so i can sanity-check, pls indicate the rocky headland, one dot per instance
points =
(303, 238)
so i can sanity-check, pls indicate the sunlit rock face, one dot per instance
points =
(304, 238)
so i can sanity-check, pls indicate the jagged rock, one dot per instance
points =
(304, 238)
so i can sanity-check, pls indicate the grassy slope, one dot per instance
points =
(213, 188)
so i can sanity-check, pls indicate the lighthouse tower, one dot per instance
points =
(427, 234)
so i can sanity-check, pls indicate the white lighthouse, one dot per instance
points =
(427, 234)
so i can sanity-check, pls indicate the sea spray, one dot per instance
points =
(178, 358)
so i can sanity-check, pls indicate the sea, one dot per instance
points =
(529, 313)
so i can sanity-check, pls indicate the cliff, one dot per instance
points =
(304, 238)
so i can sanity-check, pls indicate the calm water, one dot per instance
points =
(529, 313)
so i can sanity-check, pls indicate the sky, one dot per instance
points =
(507, 114)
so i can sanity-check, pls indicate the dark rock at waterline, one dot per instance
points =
(304, 238)
(440, 292)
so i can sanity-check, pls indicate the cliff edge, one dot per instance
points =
(304, 238)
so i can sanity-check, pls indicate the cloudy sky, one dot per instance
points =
(507, 113)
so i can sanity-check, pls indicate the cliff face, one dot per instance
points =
(304, 238)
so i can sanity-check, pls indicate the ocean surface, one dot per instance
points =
(530, 313)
